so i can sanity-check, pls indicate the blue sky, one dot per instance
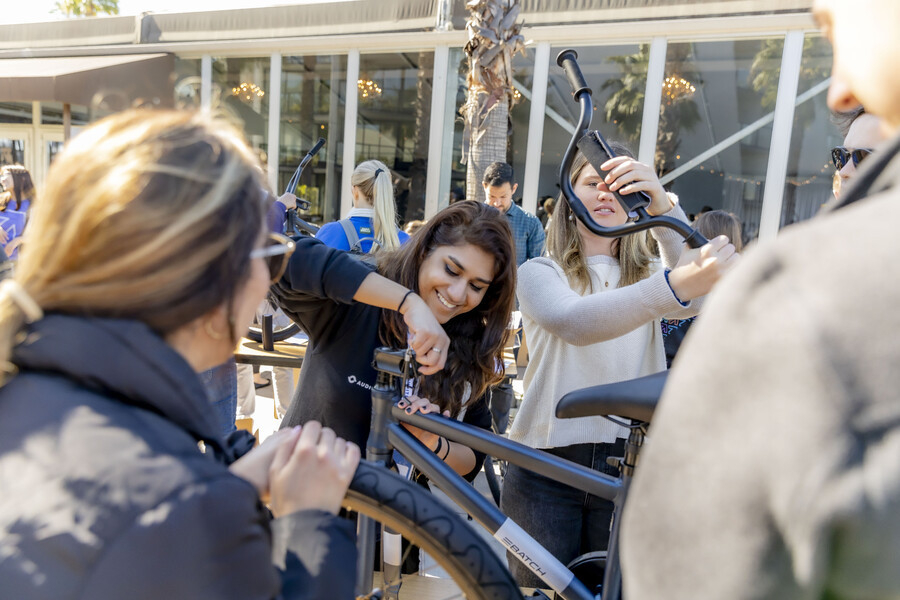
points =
(29, 11)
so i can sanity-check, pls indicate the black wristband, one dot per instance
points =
(447, 453)
(405, 296)
(437, 448)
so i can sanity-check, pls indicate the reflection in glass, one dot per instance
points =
(52, 114)
(232, 81)
(312, 106)
(393, 123)
(15, 112)
(187, 82)
(716, 124)
(12, 151)
(809, 168)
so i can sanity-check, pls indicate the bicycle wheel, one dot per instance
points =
(474, 568)
(279, 334)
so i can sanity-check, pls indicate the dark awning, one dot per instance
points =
(86, 79)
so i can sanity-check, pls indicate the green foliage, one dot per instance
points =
(86, 8)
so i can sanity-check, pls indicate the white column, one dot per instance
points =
(536, 127)
(274, 121)
(770, 219)
(449, 119)
(350, 113)
(656, 73)
(206, 82)
(436, 130)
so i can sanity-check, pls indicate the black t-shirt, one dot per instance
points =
(335, 386)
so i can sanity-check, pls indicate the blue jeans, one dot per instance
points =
(565, 521)
(221, 387)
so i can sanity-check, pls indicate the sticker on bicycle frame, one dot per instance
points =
(534, 556)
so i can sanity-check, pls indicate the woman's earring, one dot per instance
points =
(207, 325)
(571, 216)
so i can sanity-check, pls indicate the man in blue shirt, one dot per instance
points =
(527, 231)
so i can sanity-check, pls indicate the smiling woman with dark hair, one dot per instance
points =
(457, 272)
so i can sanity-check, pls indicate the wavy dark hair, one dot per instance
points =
(476, 337)
(23, 187)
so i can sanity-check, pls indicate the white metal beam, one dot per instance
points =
(274, 146)
(773, 195)
(656, 73)
(436, 129)
(350, 113)
(536, 127)
(206, 82)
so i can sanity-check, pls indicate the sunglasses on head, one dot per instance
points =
(840, 156)
(276, 252)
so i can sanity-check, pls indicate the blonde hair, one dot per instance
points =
(373, 179)
(146, 215)
(634, 252)
(714, 223)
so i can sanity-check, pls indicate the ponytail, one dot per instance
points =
(373, 179)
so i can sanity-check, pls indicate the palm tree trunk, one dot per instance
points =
(487, 144)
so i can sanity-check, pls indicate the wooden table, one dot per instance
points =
(288, 353)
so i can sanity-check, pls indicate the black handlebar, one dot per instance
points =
(636, 208)
(294, 225)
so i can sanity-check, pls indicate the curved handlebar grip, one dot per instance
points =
(567, 60)
(317, 147)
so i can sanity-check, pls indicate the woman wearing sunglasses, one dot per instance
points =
(147, 257)
(862, 133)
(456, 274)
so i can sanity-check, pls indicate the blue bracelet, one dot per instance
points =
(671, 290)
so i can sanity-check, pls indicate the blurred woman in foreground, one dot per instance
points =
(147, 257)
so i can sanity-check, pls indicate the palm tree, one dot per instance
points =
(87, 8)
(494, 39)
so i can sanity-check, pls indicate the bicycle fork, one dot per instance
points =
(378, 449)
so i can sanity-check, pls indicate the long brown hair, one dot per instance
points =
(634, 252)
(146, 215)
(23, 187)
(476, 337)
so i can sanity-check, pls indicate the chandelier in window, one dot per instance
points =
(247, 91)
(675, 87)
(368, 88)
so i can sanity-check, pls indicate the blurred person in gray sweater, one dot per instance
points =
(773, 464)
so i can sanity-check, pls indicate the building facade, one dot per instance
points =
(727, 97)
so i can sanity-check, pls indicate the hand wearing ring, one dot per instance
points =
(436, 349)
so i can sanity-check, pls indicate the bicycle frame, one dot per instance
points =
(386, 434)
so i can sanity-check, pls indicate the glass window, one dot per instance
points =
(240, 87)
(52, 114)
(713, 92)
(809, 169)
(394, 92)
(15, 112)
(12, 149)
(187, 82)
(618, 77)
(312, 106)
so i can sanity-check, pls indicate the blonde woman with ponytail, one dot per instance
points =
(373, 218)
(145, 261)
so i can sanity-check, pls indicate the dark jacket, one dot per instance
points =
(336, 380)
(772, 469)
(106, 492)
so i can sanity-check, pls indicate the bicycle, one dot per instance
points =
(589, 575)
(294, 227)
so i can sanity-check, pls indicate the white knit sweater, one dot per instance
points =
(577, 341)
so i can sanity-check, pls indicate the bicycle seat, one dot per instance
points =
(632, 399)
